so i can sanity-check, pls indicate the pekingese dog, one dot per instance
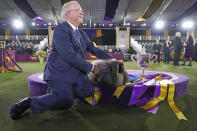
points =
(111, 74)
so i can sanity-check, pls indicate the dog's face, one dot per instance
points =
(112, 73)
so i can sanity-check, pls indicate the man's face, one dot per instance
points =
(76, 14)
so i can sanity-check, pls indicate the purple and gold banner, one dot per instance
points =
(6, 60)
(135, 94)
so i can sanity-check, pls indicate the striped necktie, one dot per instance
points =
(78, 37)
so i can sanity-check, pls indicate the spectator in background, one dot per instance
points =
(110, 51)
(35, 48)
(184, 46)
(157, 50)
(178, 45)
(196, 51)
(24, 49)
(166, 48)
(117, 50)
(189, 51)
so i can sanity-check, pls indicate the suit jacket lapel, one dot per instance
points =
(74, 41)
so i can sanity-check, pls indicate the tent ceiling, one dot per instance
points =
(128, 10)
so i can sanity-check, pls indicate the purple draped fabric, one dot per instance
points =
(110, 9)
(26, 8)
(138, 91)
(188, 12)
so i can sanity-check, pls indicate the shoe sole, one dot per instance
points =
(11, 113)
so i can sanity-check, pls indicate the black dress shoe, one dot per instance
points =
(18, 108)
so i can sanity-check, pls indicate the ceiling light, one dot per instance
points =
(33, 23)
(111, 24)
(144, 24)
(18, 24)
(159, 24)
(187, 24)
(128, 24)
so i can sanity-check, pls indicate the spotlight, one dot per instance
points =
(128, 24)
(144, 24)
(33, 23)
(159, 24)
(84, 24)
(18, 24)
(187, 24)
(110, 25)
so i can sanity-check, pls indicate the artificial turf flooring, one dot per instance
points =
(83, 117)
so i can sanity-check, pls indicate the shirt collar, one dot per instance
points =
(74, 28)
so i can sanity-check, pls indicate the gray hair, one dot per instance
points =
(178, 34)
(67, 7)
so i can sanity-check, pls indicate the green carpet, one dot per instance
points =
(83, 117)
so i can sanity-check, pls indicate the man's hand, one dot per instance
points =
(96, 70)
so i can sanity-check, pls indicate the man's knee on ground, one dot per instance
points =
(64, 102)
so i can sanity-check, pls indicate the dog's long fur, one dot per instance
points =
(111, 73)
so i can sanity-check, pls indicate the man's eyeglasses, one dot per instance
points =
(78, 10)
